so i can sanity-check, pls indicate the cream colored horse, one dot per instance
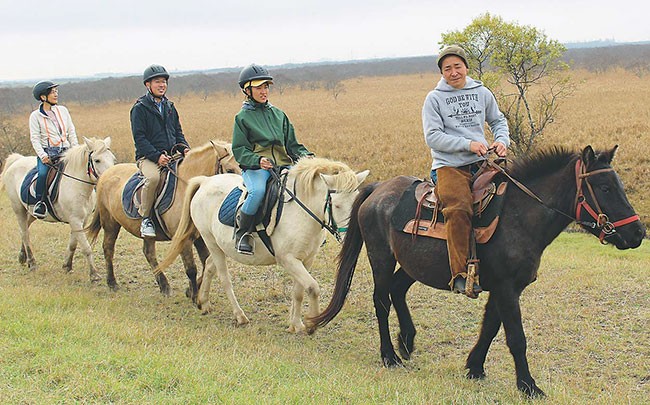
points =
(83, 165)
(325, 187)
(213, 157)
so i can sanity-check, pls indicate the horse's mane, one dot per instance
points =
(307, 170)
(541, 163)
(76, 158)
(202, 159)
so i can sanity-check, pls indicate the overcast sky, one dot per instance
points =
(70, 38)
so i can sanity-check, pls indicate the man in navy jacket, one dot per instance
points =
(156, 131)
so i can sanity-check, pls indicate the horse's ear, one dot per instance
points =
(89, 143)
(328, 179)
(107, 142)
(588, 155)
(361, 176)
(608, 156)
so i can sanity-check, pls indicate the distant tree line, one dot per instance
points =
(326, 76)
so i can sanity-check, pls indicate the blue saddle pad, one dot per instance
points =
(164, 200)
(228, 208)
(28, 187)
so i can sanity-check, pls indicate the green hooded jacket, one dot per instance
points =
(262, 130)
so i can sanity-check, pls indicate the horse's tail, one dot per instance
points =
(186, 230)
(11, 159)
(94, 226)
(347, 261)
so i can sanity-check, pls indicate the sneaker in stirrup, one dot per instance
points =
(147, 229)
(40, 210)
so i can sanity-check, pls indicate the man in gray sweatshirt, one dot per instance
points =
(453, 117)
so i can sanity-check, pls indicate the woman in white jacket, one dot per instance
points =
(51, 132)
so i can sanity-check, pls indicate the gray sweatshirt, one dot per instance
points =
(452, 118)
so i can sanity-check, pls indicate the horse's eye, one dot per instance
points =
(604, 188)
(97, 160)
(230, 171)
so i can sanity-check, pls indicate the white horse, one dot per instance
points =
(326, 188)
(83, 164)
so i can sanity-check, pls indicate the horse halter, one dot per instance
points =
(331, 226)
(91, 170)
(602, 221)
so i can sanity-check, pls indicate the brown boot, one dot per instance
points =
(454, 191)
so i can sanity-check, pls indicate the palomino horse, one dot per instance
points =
(213, 157)
(571, 186)
(84, 164)
(326, 188)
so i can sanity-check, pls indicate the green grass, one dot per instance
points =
(65, 340)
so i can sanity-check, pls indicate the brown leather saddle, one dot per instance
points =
(488, 199)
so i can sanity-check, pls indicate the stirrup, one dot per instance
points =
(245, 248)
(37, 212)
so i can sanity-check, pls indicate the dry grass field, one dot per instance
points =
(376, 124)
(64, 340)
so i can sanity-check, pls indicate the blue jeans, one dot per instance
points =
(41, 179)
(255, 182)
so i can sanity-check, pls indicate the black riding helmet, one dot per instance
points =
(154, 71)
(43, 89)
(253, 72)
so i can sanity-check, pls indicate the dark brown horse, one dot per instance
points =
(571, 186)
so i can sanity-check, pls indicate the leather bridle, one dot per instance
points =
(601, 219)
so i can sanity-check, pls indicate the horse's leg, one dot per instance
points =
(219, 262)
(24, 221)
(383, 266)
(203, 296)
(204, 253)
(69, 253)
(111, 231)
(78, 236)
(149, 250)
(510, 312)
(190, 270)
(489, 329)
(406, 336)
(22, 255)
(303, 283)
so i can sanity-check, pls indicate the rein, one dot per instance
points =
(218, 167)
(331, 225)
(602, 222)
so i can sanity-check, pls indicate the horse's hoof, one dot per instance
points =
(33, 267)
(530, 389)
(205, 308)
(392, 361)
(94, 278)
(297, 329)
(113, 286)
(241, 320)
(22, 258)
(475, 375)
(67, 268)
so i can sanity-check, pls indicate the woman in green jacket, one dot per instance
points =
(263, 137)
